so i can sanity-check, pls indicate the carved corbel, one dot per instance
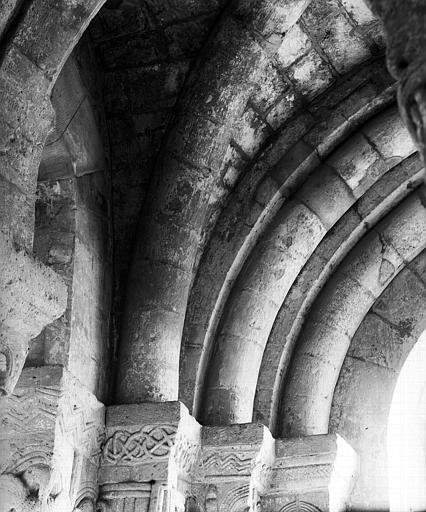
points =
(404, 23)
(31, 297)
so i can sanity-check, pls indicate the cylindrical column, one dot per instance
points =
(172, 226)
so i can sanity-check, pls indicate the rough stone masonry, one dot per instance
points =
(213, 254)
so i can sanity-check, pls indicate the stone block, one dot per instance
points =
(52, 428)
(326, 194)
(8, 9)
(59, 26)
(339, 40)
(16, 214)
(282, 110)
(311, 74)
(359, 10)
(268, 89)
(294, 45)
(250, 133)
(389, 135)
(318, 471)
(149, 442)
(237, 460)
(358, 163)
(405, 229)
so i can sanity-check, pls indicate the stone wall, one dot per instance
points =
(72, 229)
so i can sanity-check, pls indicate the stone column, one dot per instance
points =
(148, 458)
(314, 473)
(237, 463)
(51, 430)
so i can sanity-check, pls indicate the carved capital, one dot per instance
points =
(50, 436)
(148, 444)
(151, 442)
(324, 463)
(238, 461)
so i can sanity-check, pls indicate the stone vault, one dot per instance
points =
(212, 246)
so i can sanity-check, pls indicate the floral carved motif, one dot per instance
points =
(186, 453)
(261, 475)
(148, 443)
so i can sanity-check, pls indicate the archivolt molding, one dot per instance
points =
(378, 201)
(359, 280)
(300, 506)
(281, 253)
(235, 499)
(282, 168)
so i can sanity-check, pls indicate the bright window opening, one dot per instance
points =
(407, 434)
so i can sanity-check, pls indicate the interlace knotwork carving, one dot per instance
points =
(151, 442)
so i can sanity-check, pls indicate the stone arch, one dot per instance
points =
(30, 62)
(236, 499)
(381, 198)
(363, 393)
(172, 222)
(339, 310)
(271, 179)
(72, 227)
(279, 257)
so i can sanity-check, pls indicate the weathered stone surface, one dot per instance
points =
(340, 310)
(239, 172)
(31, 297)
(51, 429)
(148, 443)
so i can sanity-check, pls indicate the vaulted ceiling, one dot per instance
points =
(252, 210)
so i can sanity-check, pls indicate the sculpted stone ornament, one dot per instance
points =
(31, 297)
(404, 23)
(85, 505)
(14, 495)
(32, 491)
(151, 442)
(11, 365)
